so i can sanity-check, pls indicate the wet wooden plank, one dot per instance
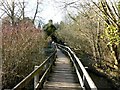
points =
(63, 76)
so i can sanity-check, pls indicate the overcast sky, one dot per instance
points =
(50, 9)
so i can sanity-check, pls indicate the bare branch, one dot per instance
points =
(2, 15)
(36, 11)
(114, 6)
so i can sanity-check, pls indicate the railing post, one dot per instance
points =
(83, 79)
(36, 78)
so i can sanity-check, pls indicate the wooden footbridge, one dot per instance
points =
(62, 70)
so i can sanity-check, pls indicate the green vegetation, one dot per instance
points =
(93, 33)
(94, 36)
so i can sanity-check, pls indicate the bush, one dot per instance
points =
(22, 50)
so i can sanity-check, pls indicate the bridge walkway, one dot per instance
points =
(62, 76)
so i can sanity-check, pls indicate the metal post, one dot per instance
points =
(36, 78)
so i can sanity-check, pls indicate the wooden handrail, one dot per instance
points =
(73, 58)
(27, 79)
(39, 85)
(85, 73)
(77, 71)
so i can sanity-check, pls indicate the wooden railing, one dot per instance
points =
(84, 79)
(39, 74)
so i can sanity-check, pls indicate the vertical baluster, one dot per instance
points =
(36, 78)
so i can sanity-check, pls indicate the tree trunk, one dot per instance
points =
(36, 12)
(12, 13)
(23, 9)
(98, 43)
(113, 49)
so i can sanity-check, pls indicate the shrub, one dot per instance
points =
(22, 50)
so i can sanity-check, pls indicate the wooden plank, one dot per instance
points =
(63, 75)
(72, 80)
(62, 84)
(57, 88)
(84, 72)
(59, 75)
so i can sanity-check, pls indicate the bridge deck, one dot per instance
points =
(63, 76)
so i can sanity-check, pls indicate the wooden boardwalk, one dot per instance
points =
(63, 76)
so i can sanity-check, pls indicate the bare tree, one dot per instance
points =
(110, 14)
(9, 9)
(12, 10)
(22, 9)
(36, 10)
